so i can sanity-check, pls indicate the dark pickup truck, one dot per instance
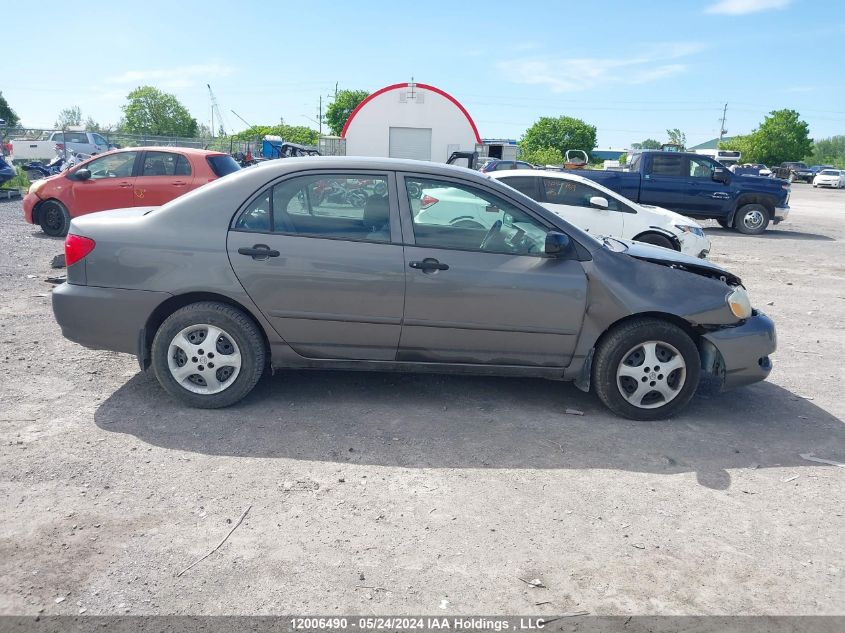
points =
(794, 170)
(699, 187)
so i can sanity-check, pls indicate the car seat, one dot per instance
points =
(377, 219)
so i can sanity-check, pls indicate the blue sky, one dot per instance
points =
(630, 68)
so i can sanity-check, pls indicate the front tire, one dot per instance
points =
(208, 355)
(646, 369)
(54, 218)
(752, 219)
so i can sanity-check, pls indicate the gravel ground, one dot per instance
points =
(392, 494)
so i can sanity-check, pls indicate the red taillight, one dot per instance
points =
(77, 247)
(426, 201)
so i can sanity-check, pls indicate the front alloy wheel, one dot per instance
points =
(651, 374)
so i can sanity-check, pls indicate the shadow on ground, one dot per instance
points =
(770, 234)
(430, 421)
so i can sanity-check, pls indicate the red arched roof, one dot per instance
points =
(406, 85)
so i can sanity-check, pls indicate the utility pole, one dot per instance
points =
(320, 116)
(722, 130)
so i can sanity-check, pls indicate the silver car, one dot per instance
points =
(327, 263)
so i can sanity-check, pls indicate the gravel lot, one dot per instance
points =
(394, 494)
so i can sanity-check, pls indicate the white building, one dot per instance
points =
(410, 120)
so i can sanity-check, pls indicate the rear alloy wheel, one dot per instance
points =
(646, 369)
(208, 355)
(657, 240)
(54, 218)
(752, 219)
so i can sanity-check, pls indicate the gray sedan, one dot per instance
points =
(328, 263)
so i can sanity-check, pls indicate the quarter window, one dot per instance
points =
(348, 207)
(112, 166)
(446, 215)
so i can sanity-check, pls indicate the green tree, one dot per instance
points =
(542, 156)
(829, 151)
(561, 133)
(290, 133)
(68, 117)
(151, 111)
(649, 143)
(782, 136)
(339, 110)
(92, 126)
(6, 112)
(676, 137)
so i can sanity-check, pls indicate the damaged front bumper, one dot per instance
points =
(740, 355)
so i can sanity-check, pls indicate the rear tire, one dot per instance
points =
(202, 373)
(752, 219)
(646, 369)
(656, 240)
(54, 218)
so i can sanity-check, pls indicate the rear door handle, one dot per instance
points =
(429, 264)
(259, 251)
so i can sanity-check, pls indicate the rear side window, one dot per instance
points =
(165, 164)
(222, 165)
(523, 184)
(667, 165)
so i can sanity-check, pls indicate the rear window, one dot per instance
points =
(222, 165)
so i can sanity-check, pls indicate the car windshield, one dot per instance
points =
(223, 165)
(829, 172)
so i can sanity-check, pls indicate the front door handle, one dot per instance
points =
(125, 185)
(259, 251)
(429, 264)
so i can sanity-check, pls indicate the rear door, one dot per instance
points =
(320, 255)
(110, 185)
(163, 176)
(484, 295)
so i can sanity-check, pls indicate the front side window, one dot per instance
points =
(165, 164)
(99, 140)
(448, 215)
(700, 168)
(112, 166)
(575, 194)
(353, 207)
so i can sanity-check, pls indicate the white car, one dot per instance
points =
(830, 178)
(602, 212)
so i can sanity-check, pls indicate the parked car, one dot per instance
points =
(794, 170)
(249, 271)
(45, 148)
(602, 212)
(699, 187)
(830, 178)
(497, 164)
(121, 178)
(7, 172)
(816, 169)
(751, 169)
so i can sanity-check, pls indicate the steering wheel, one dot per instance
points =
(493, 232)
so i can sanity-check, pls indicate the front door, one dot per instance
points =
(484, 292)
(570, 200)
(163, 177)
(110, 184)
(314, 252)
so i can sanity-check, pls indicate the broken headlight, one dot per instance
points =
(739, 303)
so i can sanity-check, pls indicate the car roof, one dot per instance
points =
(563, 175)
(191, 151)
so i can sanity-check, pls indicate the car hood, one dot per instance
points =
(674, 259)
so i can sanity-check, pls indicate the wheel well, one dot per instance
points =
(676, 243)
(750, 198)
(168, 307)
(685, 325)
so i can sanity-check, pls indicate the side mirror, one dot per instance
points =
(599, 202)
(82, 174)
(721, 175)
(558, 244)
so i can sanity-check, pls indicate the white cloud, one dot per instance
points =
(175, 77)
(569, 74)
(743, 7)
